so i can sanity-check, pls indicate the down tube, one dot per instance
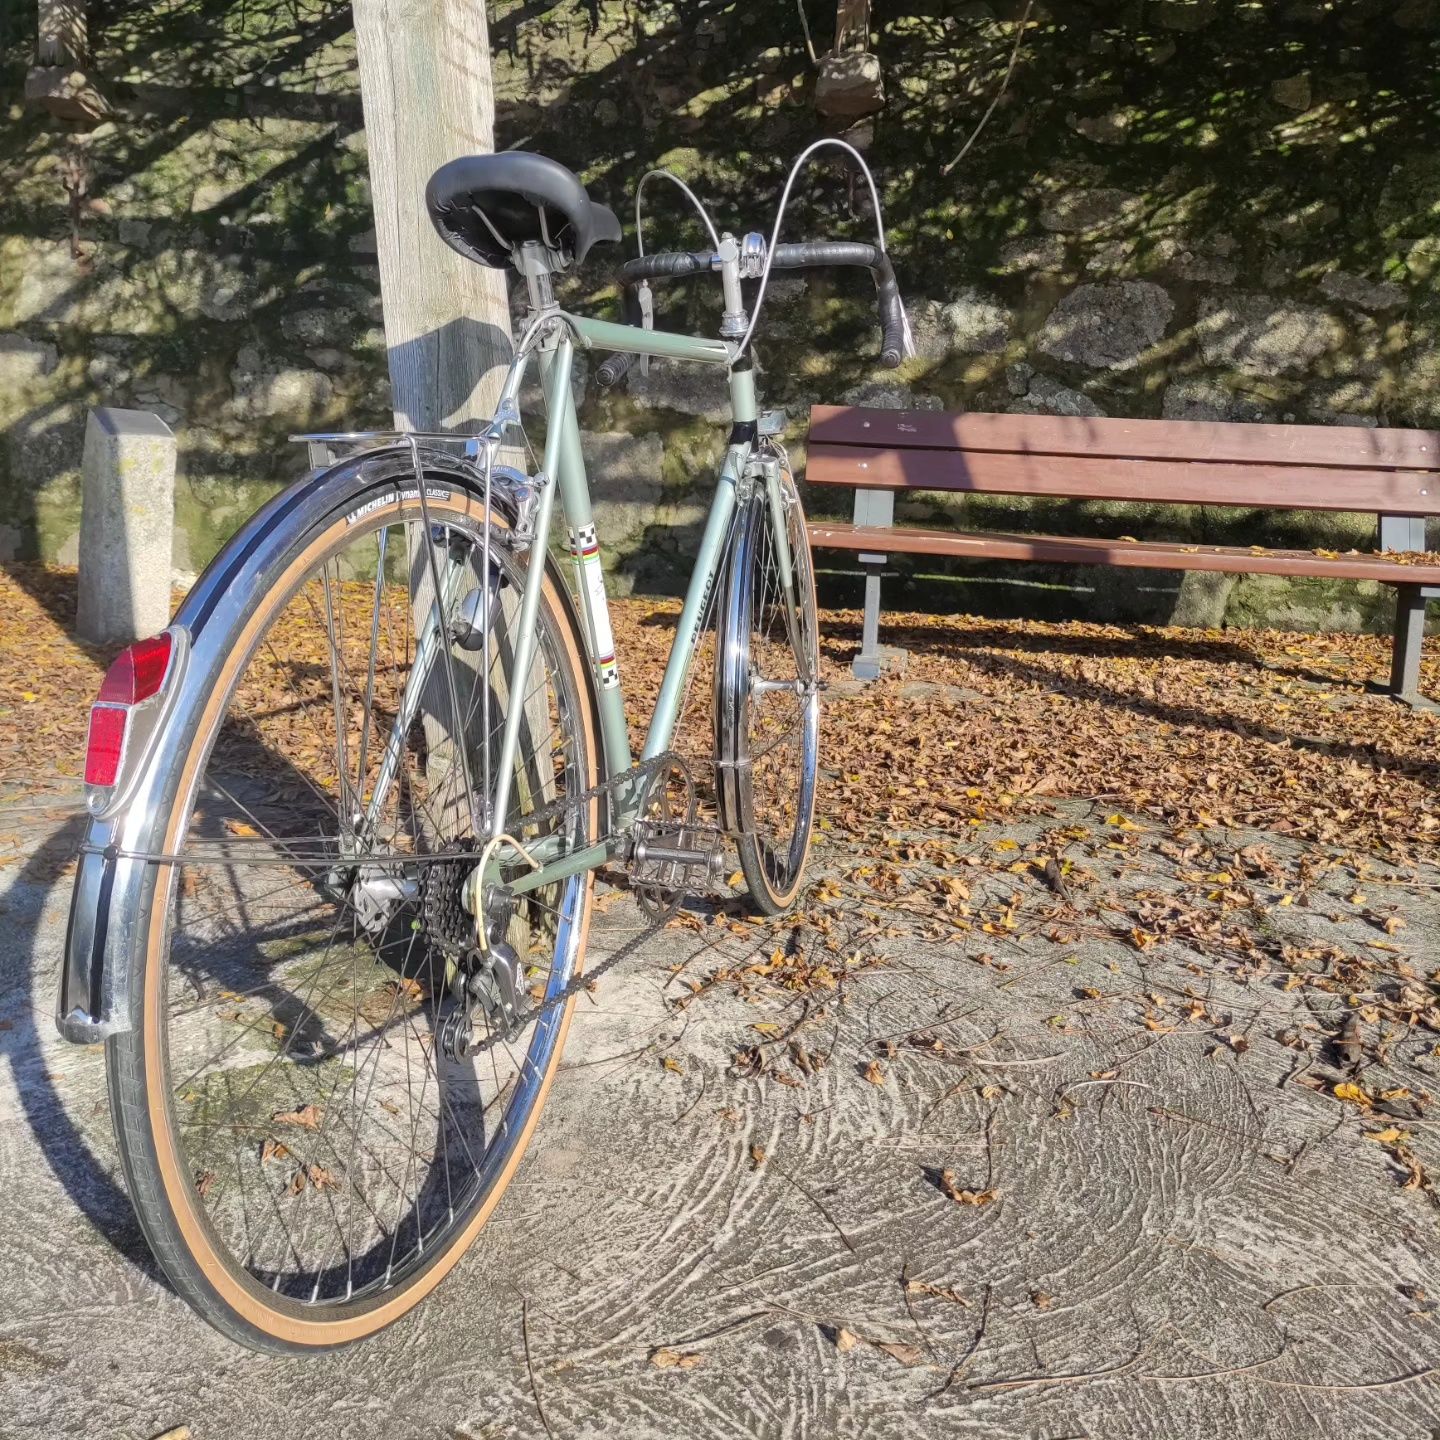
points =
(697, 602)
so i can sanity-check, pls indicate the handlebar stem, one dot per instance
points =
(735, 321)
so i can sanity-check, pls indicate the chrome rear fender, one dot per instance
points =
(114, 883)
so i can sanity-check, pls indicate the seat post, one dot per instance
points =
(537, 263)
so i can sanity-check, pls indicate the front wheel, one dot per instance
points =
(767, 702)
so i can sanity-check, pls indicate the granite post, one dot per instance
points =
(127, 523)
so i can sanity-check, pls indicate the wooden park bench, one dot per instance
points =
(1393, 473)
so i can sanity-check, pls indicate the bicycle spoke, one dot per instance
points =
(333, 1141)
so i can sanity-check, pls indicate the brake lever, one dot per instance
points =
(646, 297)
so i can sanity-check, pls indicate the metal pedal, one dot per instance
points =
(672, 850)
(668, 862)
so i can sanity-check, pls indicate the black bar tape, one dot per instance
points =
(814, 253)
(665, 265)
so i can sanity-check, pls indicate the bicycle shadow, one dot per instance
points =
(90, 1183)
(89, 1177)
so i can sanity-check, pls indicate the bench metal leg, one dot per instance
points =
(873, 508)
(1409, 637)
(1401, 533)
(869, 663)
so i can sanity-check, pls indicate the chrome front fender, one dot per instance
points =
(114, 883)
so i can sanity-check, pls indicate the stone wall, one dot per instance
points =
(1188, 208)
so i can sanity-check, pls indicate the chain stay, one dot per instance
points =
(643, 770)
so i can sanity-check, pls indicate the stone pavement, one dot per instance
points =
(1011, 1186)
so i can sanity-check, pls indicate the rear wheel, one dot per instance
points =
(311, 1136)
(767, 703)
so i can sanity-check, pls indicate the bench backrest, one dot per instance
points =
(1290, 467)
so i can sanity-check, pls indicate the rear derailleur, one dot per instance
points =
(486, 982)
(486, 987)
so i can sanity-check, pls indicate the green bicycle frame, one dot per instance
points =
(564, 472)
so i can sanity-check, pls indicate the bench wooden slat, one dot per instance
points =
(1336, 446)
(1144, 555)
(1398, 492)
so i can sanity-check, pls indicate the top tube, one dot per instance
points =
(632, 340)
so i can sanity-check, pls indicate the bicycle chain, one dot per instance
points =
(641, 770)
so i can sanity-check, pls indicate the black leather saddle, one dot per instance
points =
(487, 206)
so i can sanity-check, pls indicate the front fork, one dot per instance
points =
(784, 561)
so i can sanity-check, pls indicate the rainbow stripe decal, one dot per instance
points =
(585, 551)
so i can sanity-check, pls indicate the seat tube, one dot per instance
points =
(584, 546)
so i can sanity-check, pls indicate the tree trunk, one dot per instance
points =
(852, 25)
(61, 32)
(426, 88)
(428, 98)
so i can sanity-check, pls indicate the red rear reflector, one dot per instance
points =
(105, 745)
(136, 675)
(137, 672)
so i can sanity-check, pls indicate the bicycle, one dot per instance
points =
(346, 813)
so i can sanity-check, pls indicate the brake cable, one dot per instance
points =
(909, 342)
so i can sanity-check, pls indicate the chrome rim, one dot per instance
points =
(772, 663)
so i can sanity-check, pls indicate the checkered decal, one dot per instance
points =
(585, 550)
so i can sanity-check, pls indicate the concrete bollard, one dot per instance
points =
(127, 523)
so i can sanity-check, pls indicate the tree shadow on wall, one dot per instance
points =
(1181, 134)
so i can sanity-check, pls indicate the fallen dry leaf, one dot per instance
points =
(1387, 1136)
(905, 1354)
(960, 1196)
(1415, 1179)
(939, 1292)
(307, 1117)
(664, 1358)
